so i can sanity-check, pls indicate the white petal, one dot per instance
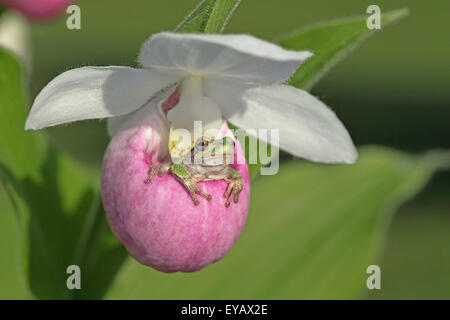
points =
(142, 115)
(193, 114)
(239, 57)
(95, 92)
(307, 127)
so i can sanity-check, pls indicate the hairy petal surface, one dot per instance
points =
(307, 127)
(242, 58)
(95, 92)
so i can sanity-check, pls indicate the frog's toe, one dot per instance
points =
(228, 191)
(151, 173)
(232, 195)
(202, 193)
(232, 192)
(235, 194)
(205, 195)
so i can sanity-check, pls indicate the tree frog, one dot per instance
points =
(207, 160)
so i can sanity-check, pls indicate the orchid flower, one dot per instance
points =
(39, 9)
(187, 78)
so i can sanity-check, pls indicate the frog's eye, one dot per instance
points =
(204, 144)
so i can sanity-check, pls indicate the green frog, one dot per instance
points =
(207, 160)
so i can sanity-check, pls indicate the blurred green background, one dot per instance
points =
(392, 91)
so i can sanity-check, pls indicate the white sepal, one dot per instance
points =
(95, 92)
(242, 58)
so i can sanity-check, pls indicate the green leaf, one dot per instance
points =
(58, 210)
(210, 16)
(331, 42)
(20, 150)
(14, 284)
(63, 223)
(311, 236)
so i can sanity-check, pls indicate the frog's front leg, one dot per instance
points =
(182, 175)
(161, 170)
(234, 180)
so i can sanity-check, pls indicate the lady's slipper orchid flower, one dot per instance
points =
(187, 78)
(39, 9)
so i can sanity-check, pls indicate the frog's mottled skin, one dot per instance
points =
(207, 160)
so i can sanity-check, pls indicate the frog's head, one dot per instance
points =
(213, 152)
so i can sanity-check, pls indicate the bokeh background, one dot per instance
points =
(392, 91)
